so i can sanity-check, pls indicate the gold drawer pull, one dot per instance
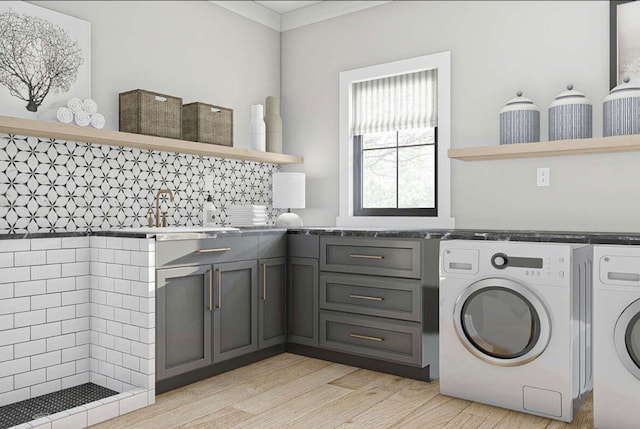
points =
(219, 288)
(369, 298)
(264, 282)
(210, 289)
(365, 337)
(355, 256)
(221, 249)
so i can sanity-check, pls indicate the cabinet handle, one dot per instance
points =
(210, 289)
(219, 288)
(264, 282)
(365, 337)
(355, 256)
(220, 249)
(369, 298)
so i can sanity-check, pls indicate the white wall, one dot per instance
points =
(189, 49)
(497, 49)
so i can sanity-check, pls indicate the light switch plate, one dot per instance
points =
(543, 176)
(208, 182)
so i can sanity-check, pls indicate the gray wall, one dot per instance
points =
(497, 49)
(189, 49)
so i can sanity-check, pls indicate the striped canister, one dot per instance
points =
(570, 116)
(621, 110)
(519, 121)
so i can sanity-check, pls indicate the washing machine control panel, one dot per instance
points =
(531, 267)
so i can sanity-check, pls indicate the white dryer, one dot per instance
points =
(616, 341)
(515, 322)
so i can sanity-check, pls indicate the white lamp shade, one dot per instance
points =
(288, 190)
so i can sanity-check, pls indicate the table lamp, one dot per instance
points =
(288, 193)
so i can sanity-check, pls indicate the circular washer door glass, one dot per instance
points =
(632, 339)
(626, 338)
(500, 322)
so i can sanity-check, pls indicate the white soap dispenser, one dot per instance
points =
(209, 213)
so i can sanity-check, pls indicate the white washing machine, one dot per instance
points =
(616, 341)
(515, 324)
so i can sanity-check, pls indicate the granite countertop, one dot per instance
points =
(585, 237)
(479, 234)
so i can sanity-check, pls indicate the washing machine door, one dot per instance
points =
(627, 338)
(502, 322)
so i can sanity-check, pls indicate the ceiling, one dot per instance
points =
(287, 15)
(285, 6)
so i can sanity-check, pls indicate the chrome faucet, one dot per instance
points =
(161, 191)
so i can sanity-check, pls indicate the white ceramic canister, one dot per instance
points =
(258, 129)
(570, 116)
(621, 110)
(519, 121)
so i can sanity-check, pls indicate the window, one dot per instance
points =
(394, 124)
(394, 137)
(395, 173)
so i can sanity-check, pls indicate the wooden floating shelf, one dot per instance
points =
(55, 130)
(553, 148)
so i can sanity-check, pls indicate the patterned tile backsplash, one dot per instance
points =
(54, 185)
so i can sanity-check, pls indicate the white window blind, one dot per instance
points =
(395, 103)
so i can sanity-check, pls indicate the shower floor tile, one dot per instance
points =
(51, 403)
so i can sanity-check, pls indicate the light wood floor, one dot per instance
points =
(291, 391)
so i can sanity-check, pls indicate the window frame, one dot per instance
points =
(358, 159)
(347, 215)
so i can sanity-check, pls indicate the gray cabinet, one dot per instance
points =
(378, 298)
(272, 288)
(209, 306)
(302, 305)
(183, 325)
(235, 313)
(302, 289)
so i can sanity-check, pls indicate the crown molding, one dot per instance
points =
(296, 18)
(253, 11)
(323, 11)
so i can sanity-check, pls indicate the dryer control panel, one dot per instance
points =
(542, 263)
(534, 267)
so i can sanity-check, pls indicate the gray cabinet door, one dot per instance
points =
(272, 292)
(303, 301)
(183, 320)
(235, 313)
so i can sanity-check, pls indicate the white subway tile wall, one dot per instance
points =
(42, 329)
(75, 310)
(119, 352)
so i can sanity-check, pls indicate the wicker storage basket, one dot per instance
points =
(207, 124)
(146, 112)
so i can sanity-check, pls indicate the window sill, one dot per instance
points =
(396, 222)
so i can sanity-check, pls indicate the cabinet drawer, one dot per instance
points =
(392, 340)
(378, 256)
(374, 296)
(206, 251)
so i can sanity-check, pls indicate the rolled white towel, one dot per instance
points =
(75, 104)
(97, 120)
(90, 106)
(64, 115)
(82, 119)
